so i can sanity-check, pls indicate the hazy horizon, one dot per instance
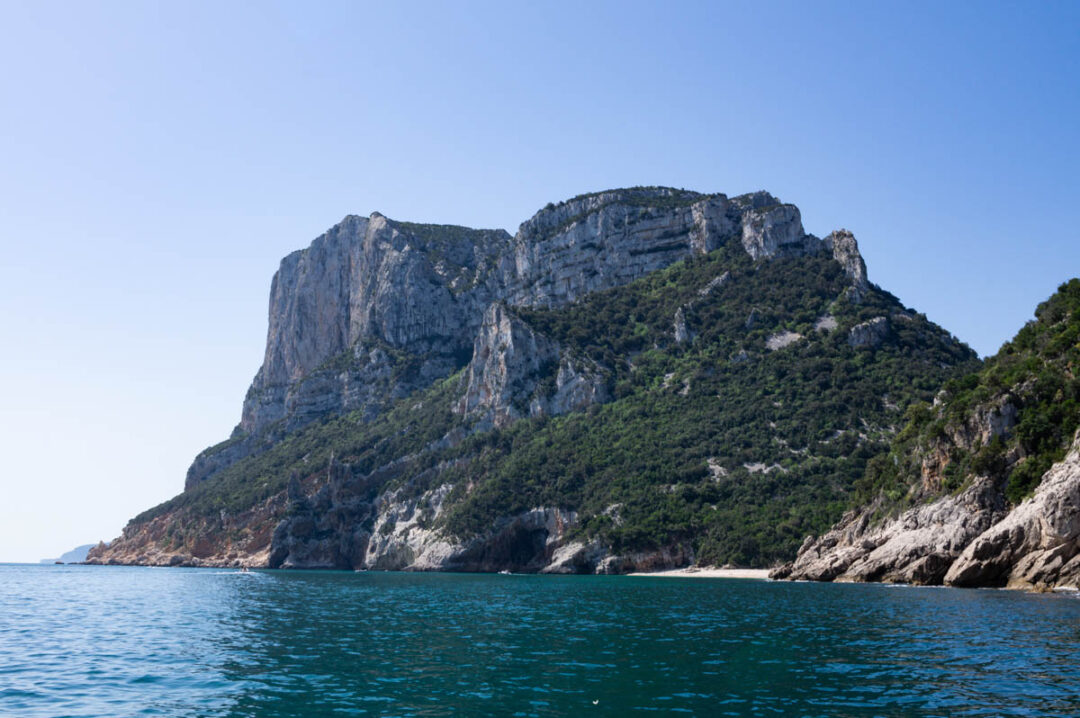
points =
(160, 160)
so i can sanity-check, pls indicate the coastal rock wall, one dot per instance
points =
(970, 539)
(341, 526)
(919, 546)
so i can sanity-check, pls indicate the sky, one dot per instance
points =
(158, 159)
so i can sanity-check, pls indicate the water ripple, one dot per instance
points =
(111, 641)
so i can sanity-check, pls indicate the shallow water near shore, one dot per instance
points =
(114, 641)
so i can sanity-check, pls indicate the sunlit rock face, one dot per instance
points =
(373, 282)
(376, 310)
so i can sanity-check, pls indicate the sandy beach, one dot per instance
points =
(693, 572)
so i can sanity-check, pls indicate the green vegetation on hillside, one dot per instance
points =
(785, 433)
(407, 428)
(1036, 373)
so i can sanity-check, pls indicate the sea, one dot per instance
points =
(123, 641)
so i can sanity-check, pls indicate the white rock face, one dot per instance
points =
(916, 547)
(682, 334)
(963, 540)
(508, 357)
(987, 421)
(826, 323)
(781, 340)
(578, 384)
(1037, 544)
(714, 284)
(845, 250)
(869, 334)
(768, 231)
(609, 239)
(364, 284)
(509, 365)
(532, 541)
(400, 540)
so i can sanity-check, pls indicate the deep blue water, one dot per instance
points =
(115, 641)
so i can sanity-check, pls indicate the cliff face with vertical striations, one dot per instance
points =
(376, 309)
(430, 395)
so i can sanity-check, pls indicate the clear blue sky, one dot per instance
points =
(158, 159)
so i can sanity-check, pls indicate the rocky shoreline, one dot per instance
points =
(966, 540)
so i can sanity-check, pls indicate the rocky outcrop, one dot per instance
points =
(773, 229)
(579, 383)
(826, 323)
(403, 537)
(1037, 544)
(845, 250)
(329, 528)
(781, 340)
(682, 334)
(406, 535)
(366, 287)
(916, 547)
(970, 539)
(235, 540)
(869, 334)
(607, 239)
(509, 360)
(516, 372)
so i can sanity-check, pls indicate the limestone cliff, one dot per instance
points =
(375, 309)
(384, 428)
(516, 372)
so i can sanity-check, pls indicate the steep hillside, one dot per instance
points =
(639, 378)
(982, 488)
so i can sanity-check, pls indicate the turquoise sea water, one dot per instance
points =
(112, 641)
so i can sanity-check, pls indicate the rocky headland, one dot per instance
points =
(637, 380)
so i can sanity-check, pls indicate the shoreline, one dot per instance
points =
(759, 574)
